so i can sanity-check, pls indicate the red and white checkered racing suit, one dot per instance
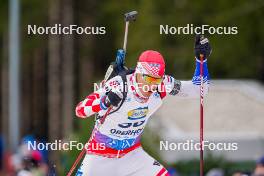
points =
(114, 147)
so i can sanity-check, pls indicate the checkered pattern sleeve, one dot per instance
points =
(89, 106)
(93, 103)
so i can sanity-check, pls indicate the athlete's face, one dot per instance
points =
(148, 84)
(259, 171)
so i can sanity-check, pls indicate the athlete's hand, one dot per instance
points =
(202, 46)
(114, 97)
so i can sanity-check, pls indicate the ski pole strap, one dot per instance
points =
(197, 73)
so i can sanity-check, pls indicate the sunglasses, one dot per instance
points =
(151, 80)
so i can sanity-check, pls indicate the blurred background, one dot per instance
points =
(43, 77)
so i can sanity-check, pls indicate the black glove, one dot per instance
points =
(113, 98)
(202, 46)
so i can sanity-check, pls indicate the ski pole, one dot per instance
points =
(201, 116)
(76, 162)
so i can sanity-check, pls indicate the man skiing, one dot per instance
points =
(118, 134)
